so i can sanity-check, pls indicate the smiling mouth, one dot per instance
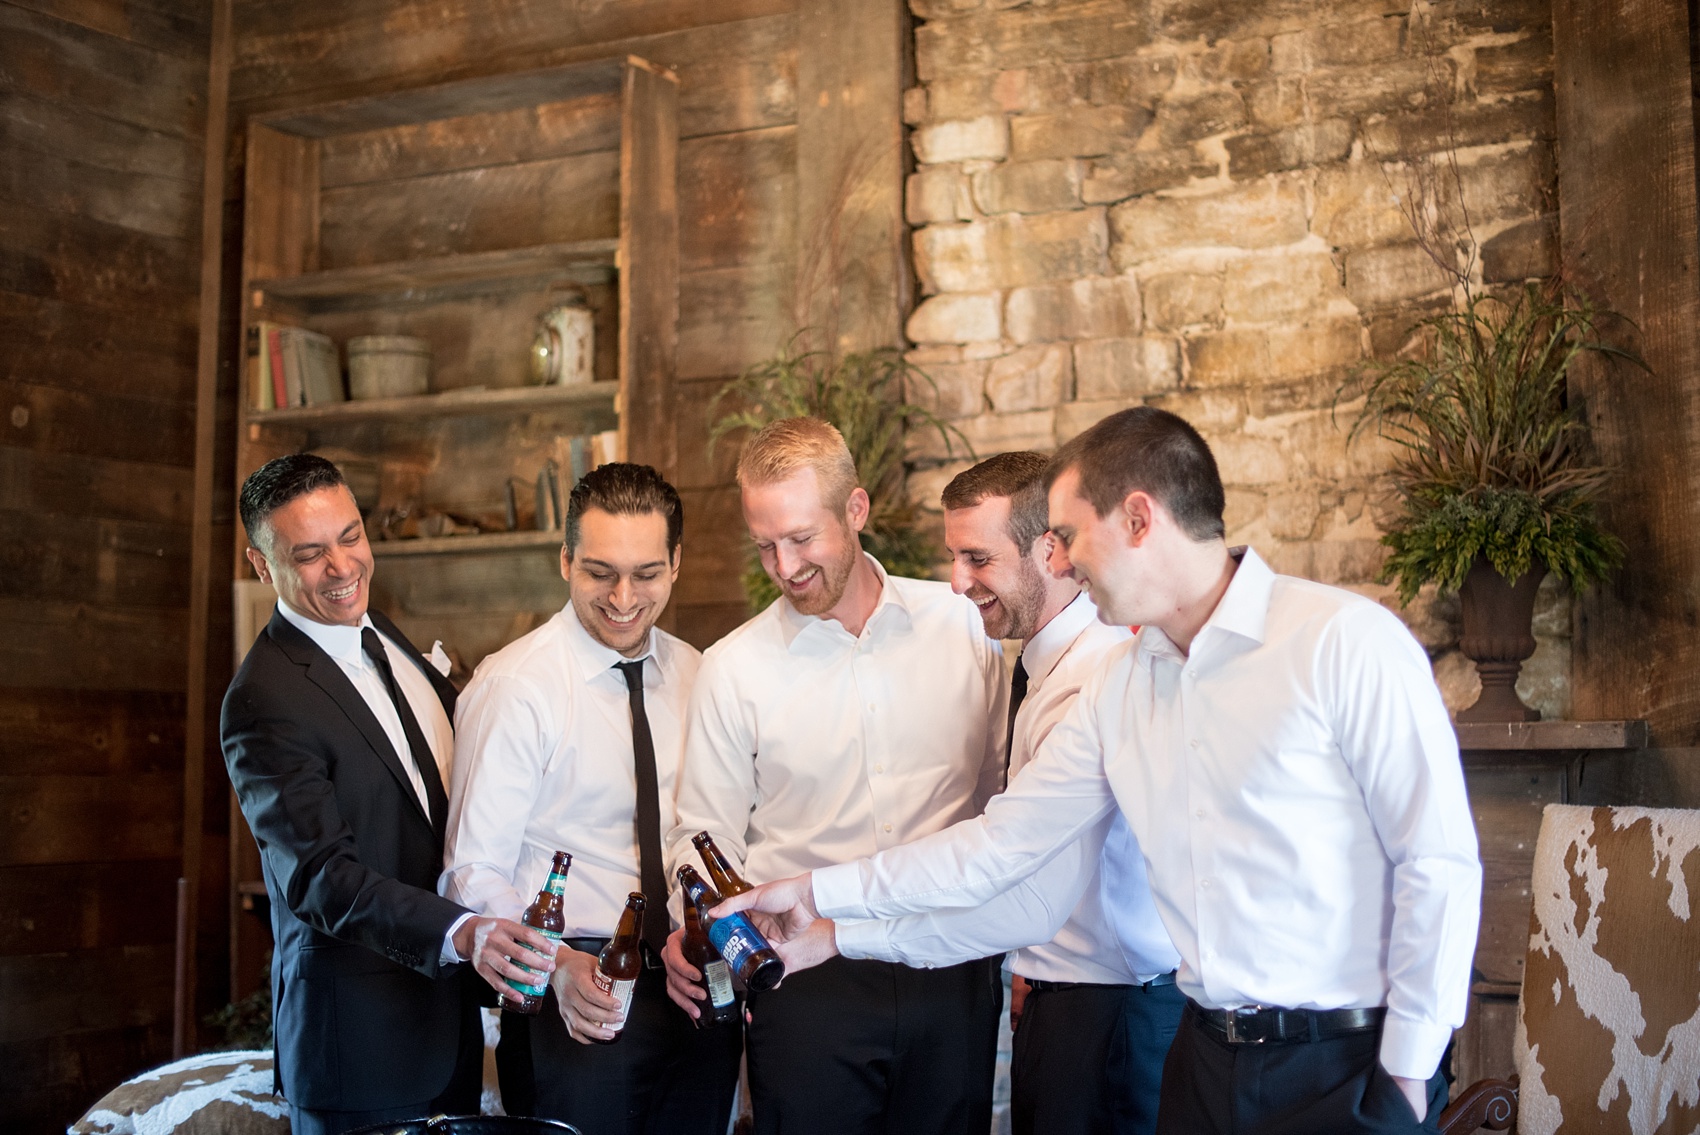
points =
(622, 620)
(797, 583)
(342, 595)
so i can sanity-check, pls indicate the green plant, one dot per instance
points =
(863, 394)
(247, 1023)
(1493, 459)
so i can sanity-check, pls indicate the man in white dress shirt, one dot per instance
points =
(569, 739)
(1280, 751)
(856, 713)
(336, 734)
(1094, 1009)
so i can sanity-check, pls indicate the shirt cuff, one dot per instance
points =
(838, 891)
(868, 938)
(1412, 1048)
(450, 956)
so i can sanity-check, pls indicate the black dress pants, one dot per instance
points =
(1325, 1087)
(663, 1076)
(1088, 1059)
(875, 1048)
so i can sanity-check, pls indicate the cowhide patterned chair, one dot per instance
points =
(1608, 1028)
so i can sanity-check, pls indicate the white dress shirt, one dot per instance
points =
(343, 644)
(1113, 936)
(809, 745)
(1295, 787)
(544, 764)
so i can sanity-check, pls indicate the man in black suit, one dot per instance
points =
(337, 737)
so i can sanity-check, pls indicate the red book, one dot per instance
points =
(274, 344)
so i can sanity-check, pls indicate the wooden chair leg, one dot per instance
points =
(1486, 1103)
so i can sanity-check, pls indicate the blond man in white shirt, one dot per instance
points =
(1280, 751)
(858, 712)
(550, 756)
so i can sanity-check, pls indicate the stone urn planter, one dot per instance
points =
(1497, 638)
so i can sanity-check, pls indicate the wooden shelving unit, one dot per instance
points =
(459, 213)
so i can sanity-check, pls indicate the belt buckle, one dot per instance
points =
(1234, 1036)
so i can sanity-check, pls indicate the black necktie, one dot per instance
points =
(1017, 691)
(419, 750)
(653, 878)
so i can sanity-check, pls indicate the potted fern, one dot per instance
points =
(1493, 483)
(863, 394)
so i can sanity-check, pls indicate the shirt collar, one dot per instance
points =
(342, 643)
(594, 658)
(1045, 649)
(1243, 609)
(890, 608)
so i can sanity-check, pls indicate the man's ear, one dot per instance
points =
(261, 568)
(856, 509)
(566, 563)
(1135, 517)
(678, 555)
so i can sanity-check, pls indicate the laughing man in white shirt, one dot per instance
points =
(1280, 751)
(547, 759)
(858, 712)
(1095, 1008)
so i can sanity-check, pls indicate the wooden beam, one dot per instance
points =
(1627, 212)
(201, 555)
(853, 276)
(649, 266)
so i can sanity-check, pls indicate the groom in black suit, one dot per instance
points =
(337, 735)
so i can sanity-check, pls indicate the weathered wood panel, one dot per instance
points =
(87, 733)
(44, 419)
(136, 201)
(79, 819)
(90, 262)
(708, 574)
(44, 126)
(732, 317)
(54, 59)
(87, 906)
(59, 1076)
(176, 29)
(83, 646)
(328, 50)
(50, 994)
(93, 487)
(1627, 209)
(649, 235)
(51, 343)
(122, 563)
(736, 198)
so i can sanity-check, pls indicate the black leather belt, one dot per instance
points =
(1040, 985)
(1261, 1024)
(595, 945)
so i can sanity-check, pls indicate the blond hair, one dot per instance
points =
(789, 445)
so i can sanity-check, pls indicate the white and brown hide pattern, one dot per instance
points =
(1608, 1033)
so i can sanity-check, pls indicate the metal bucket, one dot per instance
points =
(388, 366)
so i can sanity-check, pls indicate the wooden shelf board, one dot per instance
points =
(408, 277)
(510, 400)
(460, 545)
(1549, 736)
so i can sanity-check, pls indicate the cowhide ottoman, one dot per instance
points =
(215, 1093)
(1608, 1032)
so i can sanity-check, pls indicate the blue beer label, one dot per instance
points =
(736, 939)
(533, 990)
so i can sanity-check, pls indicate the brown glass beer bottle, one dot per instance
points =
(746, 952)
(545, 916)
(619, 964)
(726, 880)
(720, 1006)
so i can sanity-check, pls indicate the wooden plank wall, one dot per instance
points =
(737, 67)
(102, 119)
(1629, 232)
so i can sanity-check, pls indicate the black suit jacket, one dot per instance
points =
(364, 1015)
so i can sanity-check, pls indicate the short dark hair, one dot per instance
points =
(1148, 450)
(625, 489)
(1020, 476)
(280, 481)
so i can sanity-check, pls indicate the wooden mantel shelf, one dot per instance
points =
(1549, 736)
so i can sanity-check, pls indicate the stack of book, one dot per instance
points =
(292, 366)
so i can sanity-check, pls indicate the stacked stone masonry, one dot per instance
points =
(1213, 208)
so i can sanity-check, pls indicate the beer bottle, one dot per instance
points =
(726, 880)
(619, 964)
(543, 915)
(748, 954)
(720, 1005)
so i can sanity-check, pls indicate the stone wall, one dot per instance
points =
(1212, 207)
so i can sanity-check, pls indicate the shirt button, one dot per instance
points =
(1200, 813)
(879, 768)
(888, 827)
(1193, 742)
(1205, 883)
